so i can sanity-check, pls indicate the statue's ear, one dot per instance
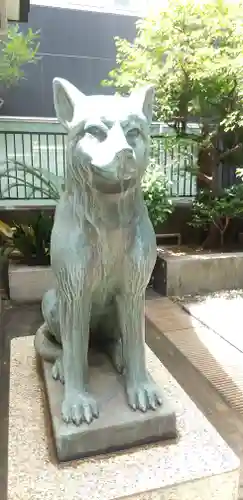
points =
(66, 98)
(144, 98)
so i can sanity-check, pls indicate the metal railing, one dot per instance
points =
(43, 150)
(175, 161)
(41, 143)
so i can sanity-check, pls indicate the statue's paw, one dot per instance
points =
(78, 408)
(143, 395)
(57, 370)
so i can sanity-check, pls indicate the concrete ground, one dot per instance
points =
(189, 350)
(202, 359)
(220, 311)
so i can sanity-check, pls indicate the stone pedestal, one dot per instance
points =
(117, 427)
(197, 466)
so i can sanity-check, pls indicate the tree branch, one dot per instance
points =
(230, 151)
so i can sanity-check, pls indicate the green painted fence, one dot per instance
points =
(41, 143)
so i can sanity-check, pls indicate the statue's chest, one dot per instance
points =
(112, 246)
(109, 254)
(108, 268)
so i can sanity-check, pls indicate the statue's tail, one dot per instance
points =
(49, 350)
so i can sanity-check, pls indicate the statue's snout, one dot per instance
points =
(126, 168)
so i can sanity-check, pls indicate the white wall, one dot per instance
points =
(132, 7)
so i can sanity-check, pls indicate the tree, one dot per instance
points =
(193, 54)
(16, 51)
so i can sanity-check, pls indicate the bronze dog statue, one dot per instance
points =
(103, 248)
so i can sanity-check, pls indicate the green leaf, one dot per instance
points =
(16, 51)
(208, 208)
(192, 53)
(155, 188)
(40, 179)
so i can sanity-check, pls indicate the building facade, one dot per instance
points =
(76, 43)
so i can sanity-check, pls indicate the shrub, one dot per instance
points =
(218, 210)
(155, 188)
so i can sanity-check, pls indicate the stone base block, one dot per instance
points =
(118, 426)
(197, 466)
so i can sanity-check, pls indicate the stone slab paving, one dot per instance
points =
(213, 353)
(213, 350)
(197, 465)
(219, 362)
(221, 312)
(21, 321)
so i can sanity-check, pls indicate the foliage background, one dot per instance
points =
(17, 50)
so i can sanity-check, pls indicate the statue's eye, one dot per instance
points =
(96, 132)
(133, 134)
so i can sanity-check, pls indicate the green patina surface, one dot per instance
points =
(103, 249)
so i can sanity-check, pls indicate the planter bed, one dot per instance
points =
(183, 271)
(179, 271)
(28, 283)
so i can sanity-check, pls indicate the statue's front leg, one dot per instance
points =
(78, 405)
(142, 392)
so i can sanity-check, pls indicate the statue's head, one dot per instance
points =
(108, 136)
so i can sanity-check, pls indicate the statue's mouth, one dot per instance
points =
(108, 182)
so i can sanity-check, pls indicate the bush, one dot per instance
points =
(155, 188)
(218, 210)
(31, 240)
